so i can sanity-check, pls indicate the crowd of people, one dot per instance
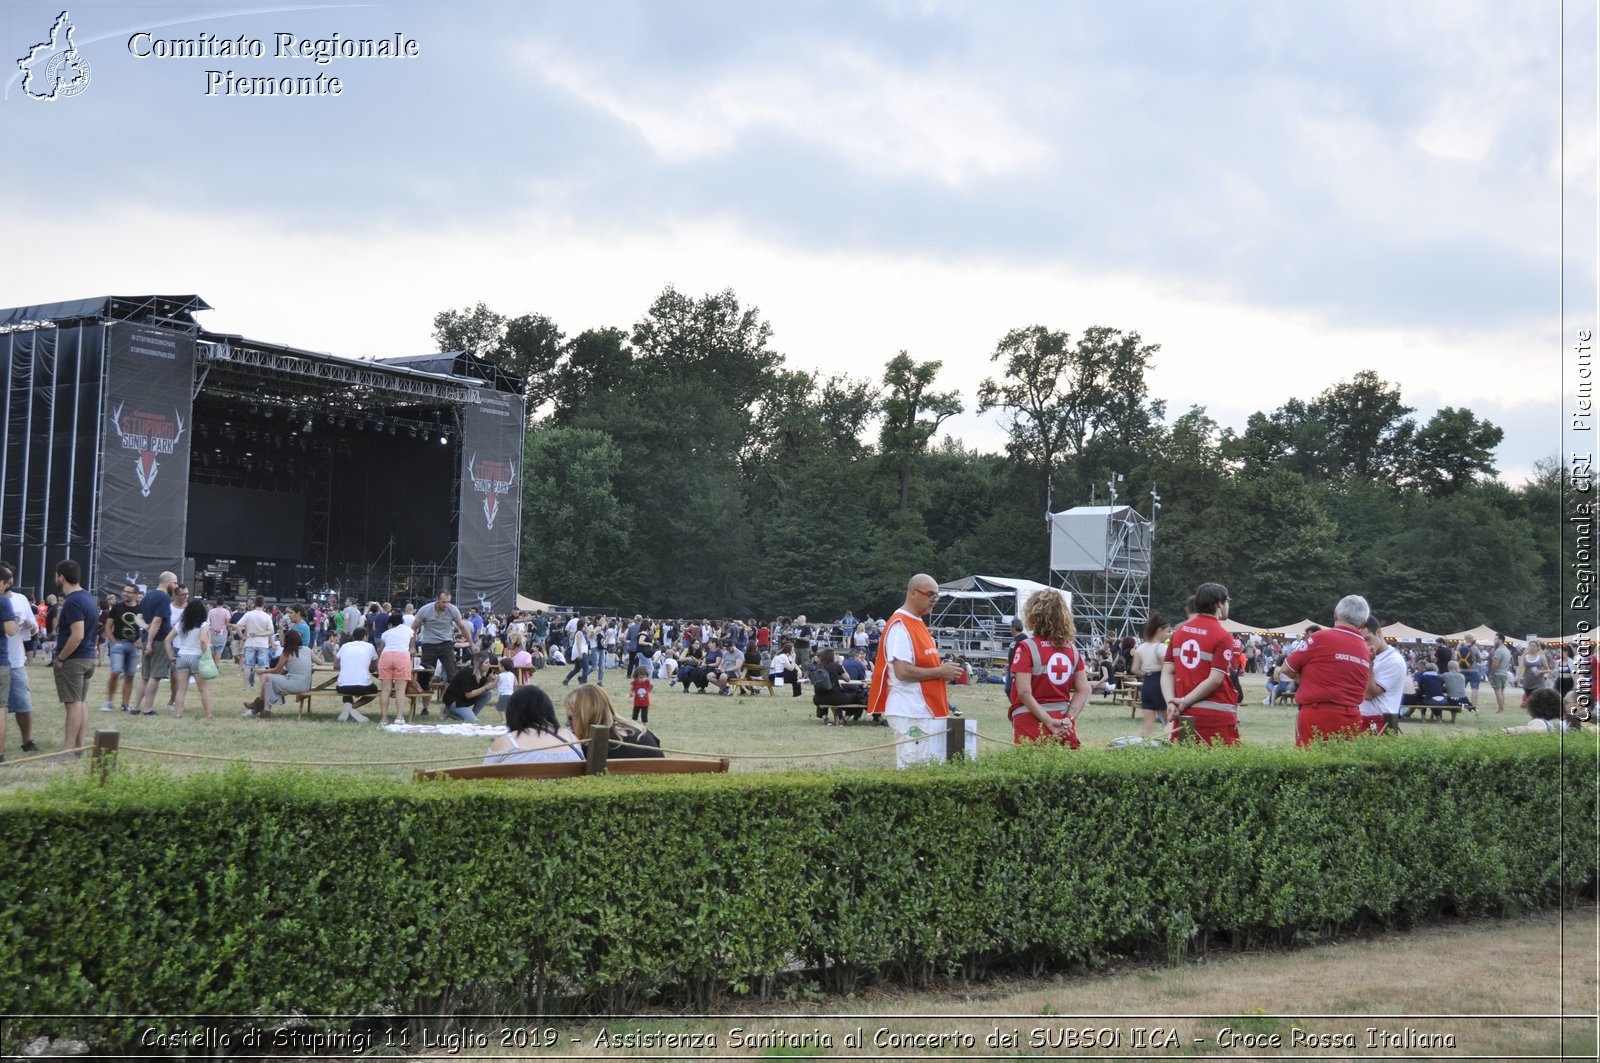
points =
(1188, 674)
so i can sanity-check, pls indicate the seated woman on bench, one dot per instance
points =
(589, 714)
(532, 734)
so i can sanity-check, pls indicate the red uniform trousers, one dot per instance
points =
(1210, 725)
(1326, 721)
(1025, 727)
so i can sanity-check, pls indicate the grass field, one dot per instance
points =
(757, 732)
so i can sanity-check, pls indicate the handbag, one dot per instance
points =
(208, 667)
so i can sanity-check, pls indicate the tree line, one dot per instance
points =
(681, 467)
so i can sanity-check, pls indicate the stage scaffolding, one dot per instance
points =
(1101, 555)
(136, 441)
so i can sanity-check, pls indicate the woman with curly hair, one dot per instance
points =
(1050, 684)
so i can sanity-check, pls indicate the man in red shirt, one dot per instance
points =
(1194, 676)
(1333, 667)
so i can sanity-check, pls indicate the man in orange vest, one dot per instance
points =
(908, 680)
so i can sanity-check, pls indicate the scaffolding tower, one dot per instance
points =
(1101, 555)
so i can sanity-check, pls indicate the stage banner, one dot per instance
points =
(491, 501)
(146, 414)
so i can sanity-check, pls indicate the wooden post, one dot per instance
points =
(955, 739)
(599, 746)
(105, 751)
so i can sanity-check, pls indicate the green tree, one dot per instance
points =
(1058, 396)
(912, 414)
(576, 534)
(1453, 450)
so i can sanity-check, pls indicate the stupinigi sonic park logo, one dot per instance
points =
(149, 436)
(54, 69)
(492, 478)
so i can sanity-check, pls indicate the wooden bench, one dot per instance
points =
(752, 678)
(303, 699)
(1127, 693)
(572, 769)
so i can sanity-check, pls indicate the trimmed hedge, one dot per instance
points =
(276, 893)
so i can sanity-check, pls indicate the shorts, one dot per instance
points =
(394, 667)
(1150, 696)
(125, 659)
(354, 692)
(19, 700)
(72, 679)
(187, 662)
(156, 665)
(1025, 727)
(1497, 681)
(1324, 722)
(1208, 725)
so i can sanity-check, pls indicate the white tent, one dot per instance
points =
(1233, 627)
(529, 605)
(1404, 633)
(974, 614)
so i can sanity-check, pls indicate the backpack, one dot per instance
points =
(820, 679)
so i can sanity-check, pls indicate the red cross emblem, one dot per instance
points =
(1059, 669)
(1189, 654)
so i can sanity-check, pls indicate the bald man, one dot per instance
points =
(908, 682)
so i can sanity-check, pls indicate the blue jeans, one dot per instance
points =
(256, 658)
(469, 713)
(19, 699)
(124, 658)
(582, 664)
(597, 661)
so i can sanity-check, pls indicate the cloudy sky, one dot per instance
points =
(1280, 194)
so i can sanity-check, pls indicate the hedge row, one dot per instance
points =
(273, 893)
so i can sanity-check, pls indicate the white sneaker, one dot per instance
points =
(399, 719)
(171, 707)
(108, 707)
(344, 713)
(355, 715)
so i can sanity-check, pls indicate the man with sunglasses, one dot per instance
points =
(908, 680)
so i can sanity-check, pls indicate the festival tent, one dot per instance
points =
(1297, 628)
(528, 605)
(1233, 627)
(1482, 633)
(975, 611)
(1402, 633)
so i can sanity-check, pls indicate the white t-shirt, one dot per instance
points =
(16, 654)
(780, 663)
(1389, 672)
(355, 663)
(397, 640)
(256, 626)
(904, 699)
(860, 638)
(506, 685)
(187, 641)
(409, 619)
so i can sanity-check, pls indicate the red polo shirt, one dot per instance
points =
(1333, 665)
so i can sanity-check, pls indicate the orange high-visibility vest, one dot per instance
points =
(933, 690)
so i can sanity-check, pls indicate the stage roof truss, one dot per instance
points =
(370, 382)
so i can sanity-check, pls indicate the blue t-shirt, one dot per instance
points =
(305, 632)
(855, 669)
(8, 615)
(156, 602)
(79, 605)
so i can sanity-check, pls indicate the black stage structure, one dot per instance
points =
(137, 441)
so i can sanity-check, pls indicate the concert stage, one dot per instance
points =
(137, 441)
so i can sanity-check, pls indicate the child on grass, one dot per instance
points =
(641, 694)
(505, 685)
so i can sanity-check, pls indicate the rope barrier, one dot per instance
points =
(260, 761)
